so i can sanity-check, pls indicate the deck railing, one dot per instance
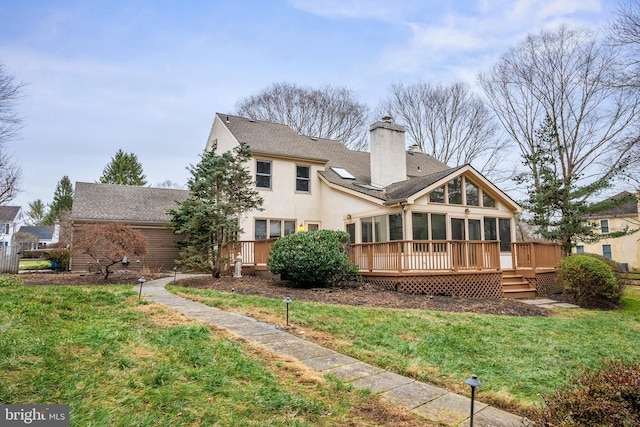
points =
(535, 255)
(422, 255)
(426, 255)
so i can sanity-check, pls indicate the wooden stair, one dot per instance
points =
(516, 287)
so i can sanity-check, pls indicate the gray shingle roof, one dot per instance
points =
(124, 203)
(8, 213)
(280, 140)
(629, 208)
(44, 232)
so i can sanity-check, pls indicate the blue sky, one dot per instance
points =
(148, 76)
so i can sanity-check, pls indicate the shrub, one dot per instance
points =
(621, 276)
(312, 258)
(60, 256)
(590, 282)
(606, 397)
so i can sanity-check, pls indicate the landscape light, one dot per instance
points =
(141, 281)
(472, 382)
(287, 301)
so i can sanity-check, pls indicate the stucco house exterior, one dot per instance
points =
(405, 211)
(142, 208)
(625, 249)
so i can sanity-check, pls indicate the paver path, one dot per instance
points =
(430, 402)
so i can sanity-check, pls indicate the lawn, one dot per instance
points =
(119, 361)
(34, 264)
(518, 359)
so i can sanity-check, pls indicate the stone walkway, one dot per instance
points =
(433, 403)
(548, 303)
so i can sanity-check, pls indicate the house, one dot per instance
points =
(625, 249)
(43, 236)
(10, 220)
(415, 223)
(142, 208)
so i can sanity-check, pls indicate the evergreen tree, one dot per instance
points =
(62, 201)
(558, 198)
(124, 169)
(36, 213)
(221, 190)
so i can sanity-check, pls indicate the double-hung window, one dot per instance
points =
(604, 226)
(263, 174)
(303, 179)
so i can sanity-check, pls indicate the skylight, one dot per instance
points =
(343, 173)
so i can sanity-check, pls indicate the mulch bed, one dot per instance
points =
(352, 293)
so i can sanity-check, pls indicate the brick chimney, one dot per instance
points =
(388, 153)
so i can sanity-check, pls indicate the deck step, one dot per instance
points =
(515, 286)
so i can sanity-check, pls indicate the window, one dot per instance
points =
(273, 228)
(313, 227)
(606, 251)
(474, 229)
(351, 229)
(487, 201)
(5, 228)
(263, 174)
(302, 179)
(472, 193)
(437, 195)
(604, 226)
(504, 225)
(395, 227)
(457, 229)
(438, 227)
(490, 230)
(454, 188)
(420, 225)
(380, 228)
(580, 249)
(367, 230)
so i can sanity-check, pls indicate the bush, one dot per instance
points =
(607, 397)
(312, 258)
(58, 255)
(621, 276)
(590, 282)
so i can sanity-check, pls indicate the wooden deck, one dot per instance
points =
(470, 269)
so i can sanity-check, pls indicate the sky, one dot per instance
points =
(148, 76)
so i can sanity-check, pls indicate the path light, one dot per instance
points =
(472, 382)
(287, 301)
(175, 274)
(141, 281)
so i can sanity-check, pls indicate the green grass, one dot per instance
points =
(121, 362)
(517, 358)
(34, 264)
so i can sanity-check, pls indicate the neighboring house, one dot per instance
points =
(625, 249)
(10, 221)
(45, 235)
(142, 208)
(404, 210)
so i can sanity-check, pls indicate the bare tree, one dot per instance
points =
(565, 80)
(328, 112)
(10, 125)
(449, 123)
(109, 244)
(624, 32)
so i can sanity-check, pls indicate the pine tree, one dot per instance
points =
(124, 169)
(221, 190)
(62, 201)
(559, 199)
